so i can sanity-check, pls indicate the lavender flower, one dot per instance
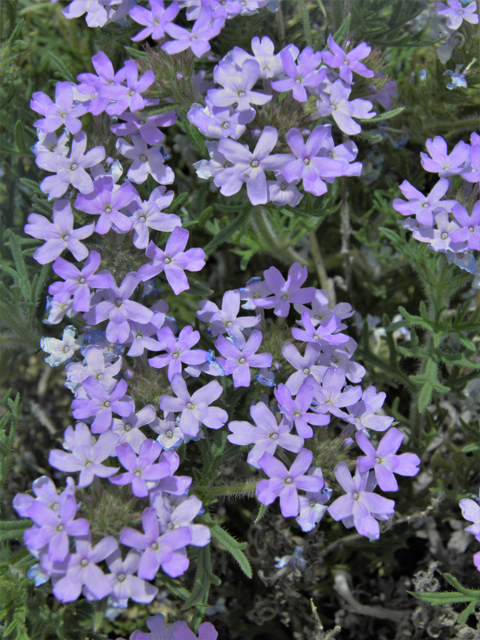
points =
(182, 516)
(154, 20)
(147, 127)
(297, 410)
(312, 505)
(362, 414)
(266, 436)
(107, 202)
(131, 97)
(456, 13)
(238, 362)
(271, 65)
(100, 403)
(195, 408)
(204, 29)
(330, 397)
(178, 350)
(284, 482)
(342, 110)
(146, 161)
(347, 62)
(281, 192)
(255, 289)
(220, 122)
(128, 428)
(61, 350)
(286, 292)
(225, 320)
(470, 231)
(324, 333)
(105, 86)
(237, 86)
(440, 161)
(148, 214)
(423, 207)
(169, 434)
(60, 113)
(59, 234)
(46, 494)
(306, 74)
(305, 365)
(94, 366)
(471, 511)
(141, 470)
(124, 584)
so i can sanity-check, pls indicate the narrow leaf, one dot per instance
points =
(233, 547)
(228, 231)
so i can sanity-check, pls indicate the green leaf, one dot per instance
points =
(261, 512)
(340, 34)
(471, 447)
(13, 530)
(228, 231)
(234, 547)
(32, 185)
(474, 593)
(467, 612)
(201, 586)
(383, 116)
(60, 67)
(198, 288)
(20, 140)
(444, 597)
(179, 200)
(135, 53)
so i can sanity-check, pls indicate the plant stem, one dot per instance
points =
(320, 268)
(230, 489)
(306, 23)
(345, 222)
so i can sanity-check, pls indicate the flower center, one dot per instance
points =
(83, 562)
(143, 157)
(254, 163)
(88, 464)
(194, 38)
(306, 161)
(228, 323)
(169, 433)
(190, 405)
(312, 503)
(141, 121)
(106, 404)
(273, 435)
(242, 360)
(425, 205)
(66, 349)
(288, 480)
(108, 209)
(241, 94)
(66, 237)
(61, 528)
(154, 546)
(99, 376)
(118, 302)
(378, 460)
(284, 186)
(121, 577)
(306, 371)
(298, 79)
(225, 125)
(471, 229)
(138, 336)
(460, 12)
(285, 296)
(55, 506)
(128, 426)
(167, 260)
(176, 354)
(297, 414)
(355, 495)
(170, 526)
(444, 235)
(330, 154)
(74, 166)
(138, 473)
(132, 93)
(142, 218)
(81, 280)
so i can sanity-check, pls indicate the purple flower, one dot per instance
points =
(384, 461)
(148, 214)
(59, 113)
(158, 629)
(220, 122)
(321, 311)
(118, 309)
(255, 289)
(312, 505)
(284, 483)
(128, 428)
(456, 13)
(423, 207)
(225, 320)
(79, 282)
(237, 86)
(141, 470)
(46, 494)
(286, 292)
(169, 434)
(308, 166)
(106, 202)
(107, 84)
(250, 166)
(297, 410)
(145, 126)
(347, 62)
(70, 170)
(82, 570)
(323, 333)
(131, 98)
(470, 231)
(86, 458)
(59, 234)
(58, 307)
(94, 366)
(342, 110)
(472, 172)
(155, 20)
(61, 350)
(100, 403)
(53, 528)
(238, 362)
(306, 74)
(358, 503)
(173, 261)
(439, 239)
(158, 550)
(330, 397)
(440, 161)
(266, 436)
(305, 365)
(281, 192)
(471, 511)
(178, 350)
(362, 414)
(145, 161)
(204, 29)
(195, 408)
(182, 516)
(140, 337)
(124, 583)
(206, 631)
(271, 65)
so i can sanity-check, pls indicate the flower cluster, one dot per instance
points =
(448, 218)
(254, 90)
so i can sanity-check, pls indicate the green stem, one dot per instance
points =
(306, 23)
(230, 489)
(320, 268)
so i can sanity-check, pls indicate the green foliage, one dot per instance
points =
(462, 595)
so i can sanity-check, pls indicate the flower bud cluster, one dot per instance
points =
(448, 219)
(258, 97)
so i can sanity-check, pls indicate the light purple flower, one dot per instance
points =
(238, 361)
(423, 207)
(82, 570)
(281, 192)
(439, 239)
(140, 337)
(237, 86)
(148, 214)
(131, 98)
(384, 461)
(158, 629)
(362, 414)
(142, 473)
(305, 365)
(297, 410)
(284, 482)
(320, 308)
(154, 20)
(470, 231)
(70, 170)
(250, 166)
(60, 113)
(471, 511)
(101, 404)
(440, 161)
(330, 397)
(255, 289)
(205, 28)
(312, 505)
(78, 282)
(105, 86)
(59, 234)
(342, 110)
(158, 550)
(146, 161)
(107, 201)
(61, 350)
(45, 493)
(169, 434)
(286, 292)
(147, 127)
(118, 309)
(93, 366)
(220, 122)
(57, 307)
(270, 64)
(182, 516)
(456, 13)
(341, 358)
(206, 631)
(86, 458)
(173, 261)
(124, 583)
(359, 503)
(195, 408)
(324, 333)
(178, 350)
(128, 428)
(306, 74)
(472, 172)
(225, 320)
(347, 62)
(266, 436)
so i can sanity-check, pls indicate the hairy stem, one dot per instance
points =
(306, 23)
(230, 489)
(320, 268)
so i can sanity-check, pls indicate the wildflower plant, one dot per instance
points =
(173, 402)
